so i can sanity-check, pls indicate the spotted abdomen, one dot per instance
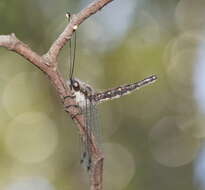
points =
(122, 90)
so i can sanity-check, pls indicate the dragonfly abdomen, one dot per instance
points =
(122, 90)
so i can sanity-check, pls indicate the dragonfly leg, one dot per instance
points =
(89, 164)
(69, 96)
(83, 157)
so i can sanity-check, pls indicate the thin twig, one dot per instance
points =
(12, 43)
(48, 64)
(75, 21)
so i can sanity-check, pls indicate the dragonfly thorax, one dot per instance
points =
(81, 91)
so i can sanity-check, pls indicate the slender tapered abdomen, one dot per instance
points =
(122, 90)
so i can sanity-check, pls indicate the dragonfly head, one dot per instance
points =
(74, 84)
(79, 86)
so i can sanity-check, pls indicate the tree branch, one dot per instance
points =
(75, 21)
(48, 64)
(12, 43)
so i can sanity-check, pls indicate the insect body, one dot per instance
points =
(87, 99)
(84, 91)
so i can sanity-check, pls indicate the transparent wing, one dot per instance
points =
(89, 130)
(92, 126)
(85, 147)
(96, 129)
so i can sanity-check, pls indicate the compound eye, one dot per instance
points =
(75, 85)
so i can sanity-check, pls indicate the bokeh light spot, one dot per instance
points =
(24, 93)
(33, 183)
(31, 137)
(170, 146)
(119, 166)
(181, 55)
(190, 14)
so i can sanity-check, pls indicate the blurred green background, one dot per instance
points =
(152, 139)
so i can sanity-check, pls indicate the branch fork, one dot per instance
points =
(49, 65)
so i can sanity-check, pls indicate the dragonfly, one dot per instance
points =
(88, 99)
